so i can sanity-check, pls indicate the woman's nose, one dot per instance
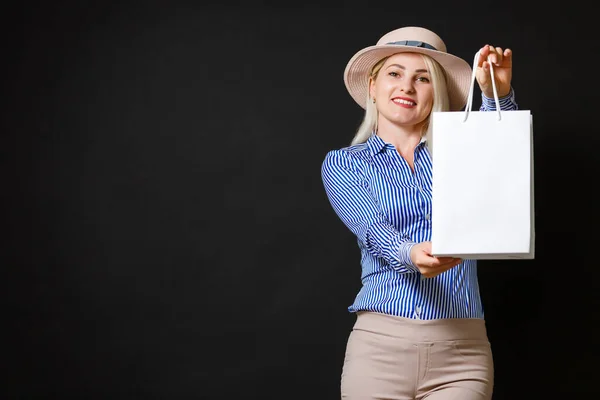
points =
(406, 86)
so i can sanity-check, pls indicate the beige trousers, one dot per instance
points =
(396, 358)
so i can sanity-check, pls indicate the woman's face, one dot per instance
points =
(403, 90)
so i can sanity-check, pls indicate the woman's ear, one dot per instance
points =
(371, 88)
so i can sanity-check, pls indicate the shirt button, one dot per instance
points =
(418, 310)
(427, 217)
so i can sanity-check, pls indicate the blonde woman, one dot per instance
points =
(420, 330)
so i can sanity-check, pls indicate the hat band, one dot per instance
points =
(414, 43)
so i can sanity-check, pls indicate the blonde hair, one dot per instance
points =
(368, 126)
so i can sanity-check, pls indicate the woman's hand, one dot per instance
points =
(428, 265)
(502, 63)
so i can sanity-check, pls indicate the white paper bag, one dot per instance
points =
(483, 189)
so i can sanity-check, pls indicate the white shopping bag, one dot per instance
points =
(483, 191)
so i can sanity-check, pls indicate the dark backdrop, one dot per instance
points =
(167, 232)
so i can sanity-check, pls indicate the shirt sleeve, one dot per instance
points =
(507, 103)
(351, 199)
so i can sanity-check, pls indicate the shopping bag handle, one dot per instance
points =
(473, 75)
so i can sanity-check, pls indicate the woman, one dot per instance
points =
(420, 329)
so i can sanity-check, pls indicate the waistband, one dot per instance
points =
(421, 330)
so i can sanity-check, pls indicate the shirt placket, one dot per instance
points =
(424, 211)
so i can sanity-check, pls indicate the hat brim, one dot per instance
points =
(458, 72)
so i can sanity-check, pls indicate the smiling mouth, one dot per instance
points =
(405, 102)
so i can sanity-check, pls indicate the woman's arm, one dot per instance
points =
(352, 201)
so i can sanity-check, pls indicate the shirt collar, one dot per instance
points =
(377, 144)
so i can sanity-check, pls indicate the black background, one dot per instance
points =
(167, 232)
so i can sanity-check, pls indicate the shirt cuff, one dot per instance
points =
(490, 103)
(404, 255)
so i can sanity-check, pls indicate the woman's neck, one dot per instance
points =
(403, 138)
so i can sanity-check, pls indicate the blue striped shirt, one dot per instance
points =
(375, 193)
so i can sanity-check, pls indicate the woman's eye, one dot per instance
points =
(423, 79)
(394, 74)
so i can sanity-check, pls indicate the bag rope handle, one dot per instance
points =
(473, 76)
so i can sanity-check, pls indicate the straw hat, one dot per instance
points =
(409, 39)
